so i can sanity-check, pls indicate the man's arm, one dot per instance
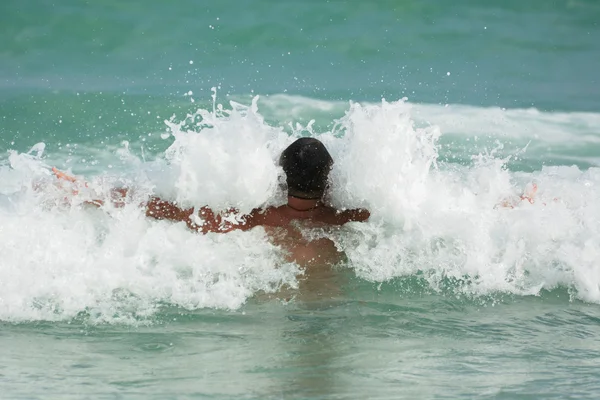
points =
(206, 220)
(360, 215)
(355, 215)
(160, 209)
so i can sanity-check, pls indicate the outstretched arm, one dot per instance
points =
(353, 215)
(205, 220)
(161, 209)
(359, 215)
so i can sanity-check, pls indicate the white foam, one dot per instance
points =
(522, 124)
(60, 258)
(466, 120)
(231, 164)
(567, 136)
(442, 221)
(428, 218)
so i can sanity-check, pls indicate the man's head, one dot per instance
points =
(306, 163)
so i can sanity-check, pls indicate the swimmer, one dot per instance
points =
(306, 164)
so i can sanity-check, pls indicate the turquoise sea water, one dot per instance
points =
(443, 295)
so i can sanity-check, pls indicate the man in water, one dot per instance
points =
(307, 164)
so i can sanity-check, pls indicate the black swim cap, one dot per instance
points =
(306, 163)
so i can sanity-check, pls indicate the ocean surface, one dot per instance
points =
(436, 112)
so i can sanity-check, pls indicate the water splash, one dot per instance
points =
(431, 219)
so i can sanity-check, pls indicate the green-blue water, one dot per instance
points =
(443, 296)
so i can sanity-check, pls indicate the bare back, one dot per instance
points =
(294, 231)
